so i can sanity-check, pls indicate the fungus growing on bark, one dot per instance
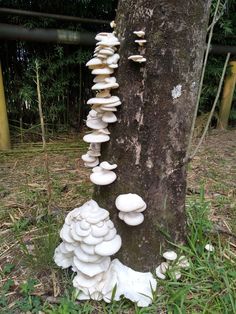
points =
(130, 207)
(137, 58)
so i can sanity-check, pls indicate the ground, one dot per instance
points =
(32, 210)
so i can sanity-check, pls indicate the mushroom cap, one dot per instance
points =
(104, 70)
(88, 158)
(107, 166)
(100, 78)
(159, 274)
(91, 164)
(114, 104)
(113, 59)
(170, 255)
(129, 202)
(86, 258)
(133, 219)
(107, 51)
(104, 85)
(100, 100)
(183, 262)
(113, 66)
(61, 259)
(104, 177)
(102, 108)
(81, 280)
(65, 234)
(93, 153)
(97, 231)
(96, 137)
(137, 58)
(109, 117)
(92, 269)
(91, 240)
(94, 61)
(111, 234)
(141, 42)
(108, 248)
(96, 123)
(209, 247)
(139, 33)
(89, 249)
(164, 267)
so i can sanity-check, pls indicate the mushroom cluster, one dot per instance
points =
(103, 106)
(103, 174)
(130, 208)
(89, 239)
(141, 41)
(173, 265)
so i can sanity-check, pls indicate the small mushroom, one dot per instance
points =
(96, 137)
(113, 24)
(170, 256)
(137, 58)
(102, 177)
(140, 42)
(109, 117)
(209, 247)
(139, 33)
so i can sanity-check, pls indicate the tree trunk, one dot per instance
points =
(150, 138)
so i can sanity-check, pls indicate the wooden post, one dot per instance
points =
(4, 127)
(227, 97)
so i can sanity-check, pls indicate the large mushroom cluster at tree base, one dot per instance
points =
(89, 239)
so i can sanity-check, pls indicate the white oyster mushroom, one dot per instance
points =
(88, 158)
(100, 78)
(109, 100)
(96, 137)
(140, 42)
(164, 267)
(170, 256)
(96, 123)
(107, 166)
(104, 70)
(209, 247)
(93, 63)
(108, 248)
(111, 234)
(133, 219)
(129, 202)
(92, 269)
(139, 33)
(109, 117)
(183, 262)
(104, 85)
(159, 273)
(113, 24)
(102, 177)
(137, 58)
(113, 59)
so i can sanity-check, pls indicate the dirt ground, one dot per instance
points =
(26, 194)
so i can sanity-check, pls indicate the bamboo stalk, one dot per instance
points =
(43, 136)
(212, 109)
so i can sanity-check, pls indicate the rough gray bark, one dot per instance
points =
(150, 138)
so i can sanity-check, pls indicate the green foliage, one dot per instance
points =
(224, 31)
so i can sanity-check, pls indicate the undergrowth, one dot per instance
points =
(207, 286)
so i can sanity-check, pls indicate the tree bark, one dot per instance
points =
(150, 138)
